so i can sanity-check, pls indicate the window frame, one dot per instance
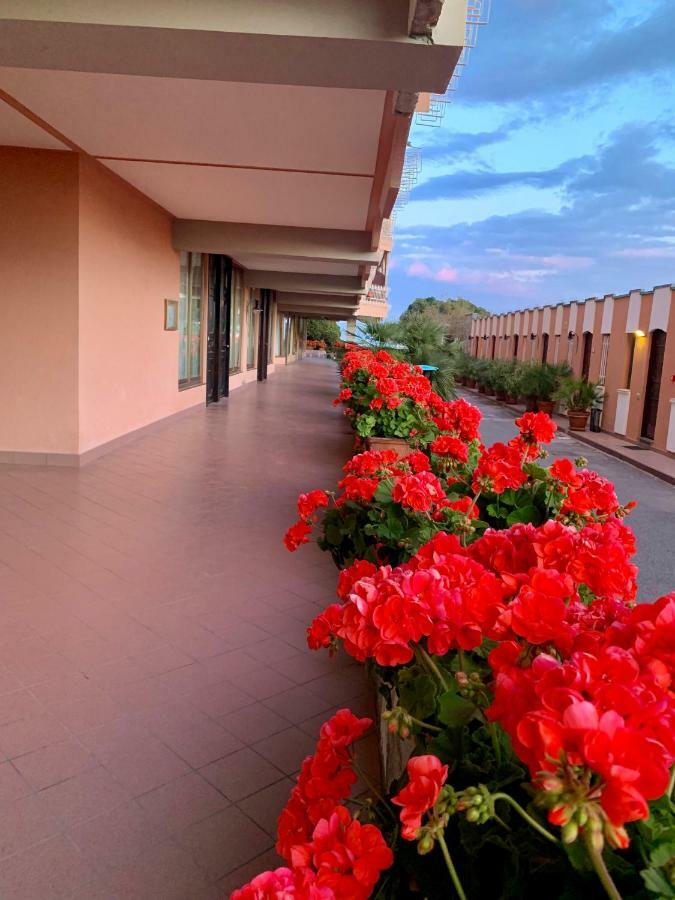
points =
(191, 381)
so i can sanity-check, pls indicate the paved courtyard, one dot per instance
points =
(156, 693)
(653, 519)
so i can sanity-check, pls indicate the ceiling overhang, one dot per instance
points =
(301, 282)
(238, 239)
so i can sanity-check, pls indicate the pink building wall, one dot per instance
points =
(128, 375)
(38, 301)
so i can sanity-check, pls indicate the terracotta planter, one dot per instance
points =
(470, 382)
(530, 404)
(512, 401)
(482, 389)
(501, 396)
(578, 419)
(400, 445)
(545, 406)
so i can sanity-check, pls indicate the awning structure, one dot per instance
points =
(272, 132)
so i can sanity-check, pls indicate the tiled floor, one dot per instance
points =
(156, 693)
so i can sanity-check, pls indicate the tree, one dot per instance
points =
(323, 330)
(452, 313)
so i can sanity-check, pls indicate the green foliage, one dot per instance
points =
(577, 395)
(323, 330)
(454, 314)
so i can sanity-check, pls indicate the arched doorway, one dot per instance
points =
(653, 385)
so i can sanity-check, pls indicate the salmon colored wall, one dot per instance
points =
(617, 362)
(128, 374)
(38, 301)
(639, 375)
(667, 392)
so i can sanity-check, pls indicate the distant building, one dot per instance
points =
(626, 342)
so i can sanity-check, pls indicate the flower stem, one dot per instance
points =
(433, 668)
(600, 867)
(371, 787)
(451, 868)
(425, 724)
(507, 798)
(495, 743)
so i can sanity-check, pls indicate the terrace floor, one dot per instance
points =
(156, 693)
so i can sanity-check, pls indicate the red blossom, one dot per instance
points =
(426, 777)
(309, 503)
(297, 535)
(450, 446)
(537, 427)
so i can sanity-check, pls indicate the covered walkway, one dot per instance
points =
(156, 693)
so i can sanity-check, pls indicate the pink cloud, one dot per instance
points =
(419, 269)
(446, 273)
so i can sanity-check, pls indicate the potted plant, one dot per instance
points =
(470, 372)
(578, 396)
(512, 383)
(502, 369)
(482, 375)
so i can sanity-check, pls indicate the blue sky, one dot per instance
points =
(552, 175)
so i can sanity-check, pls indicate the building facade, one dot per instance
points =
(182, 185)
(625, 342)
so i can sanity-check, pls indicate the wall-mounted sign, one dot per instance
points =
(171, 315)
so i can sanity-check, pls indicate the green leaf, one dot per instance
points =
(417, 694)
(384, 489)
(535, 471)
(454, 710)
(657, 882)
(522, 514)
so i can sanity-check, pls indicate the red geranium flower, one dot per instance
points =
(537, 427)
(426, 777)
(309, 503)
(453, 447)
(297, 535)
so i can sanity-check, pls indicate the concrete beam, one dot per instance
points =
(124, 38)
(299, 282)
(339, 315)
(242, 239)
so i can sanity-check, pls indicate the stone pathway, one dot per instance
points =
(156, 693)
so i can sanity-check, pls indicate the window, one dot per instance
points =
(544, 348)
(270, 334)
(515, 346)
(604, 356)
(279, 335)
(631, 355)
(251, 331)
(190, 320)
(235, 319)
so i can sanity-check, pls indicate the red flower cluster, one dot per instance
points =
(536, 428)
(600, 724)
(331, 855)
(447, 445)
(499, 468)
(426, 777)
(392, 381)
(441, 594)
(419, 492)
(458, 418)
(325, 780)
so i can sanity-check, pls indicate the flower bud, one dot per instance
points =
(472, 814)
(570, 832)
(425, 844)
(580, 462)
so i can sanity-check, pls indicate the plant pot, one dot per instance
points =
(512, 401)
(578, 419)
(399, 445)
(482, 389)
(545, 406)
(530, 404)
(470, 382)
(501, 396)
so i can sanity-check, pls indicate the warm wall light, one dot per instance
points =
(639, 332)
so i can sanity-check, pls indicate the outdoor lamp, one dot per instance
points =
(639, 333)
